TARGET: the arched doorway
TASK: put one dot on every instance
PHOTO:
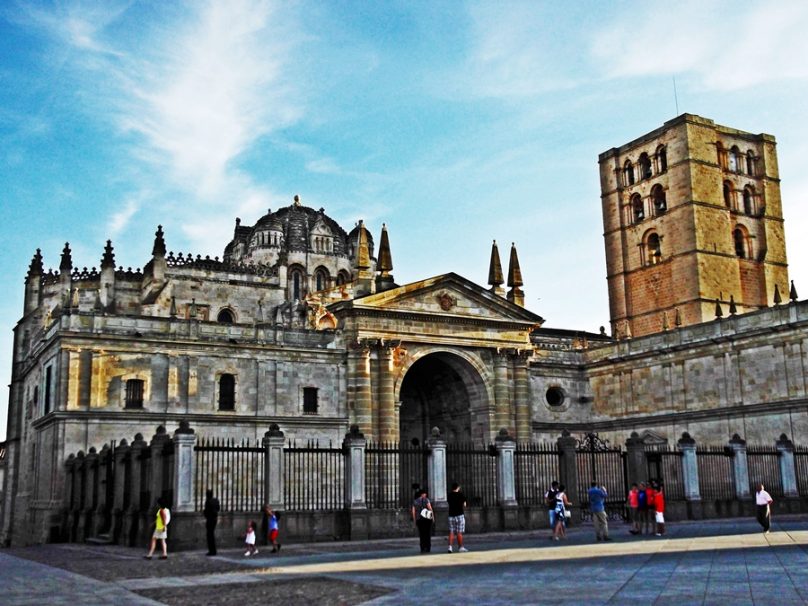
(443, 390)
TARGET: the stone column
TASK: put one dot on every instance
(506, 480)
(635, 458)
(273, 467)
(388, 419)
(102, 507)
(436, 469)
(690, 476)
(788, 471)
(568, 467)
(353, 447)
(90, 482)
(524, 430)
(184, 440)
(359, 375)
(133, 512)
(740, 467)
(157, 445)
(119, 491)
(501, 395)
(69, 497)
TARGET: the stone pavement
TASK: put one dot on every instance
(712, 562)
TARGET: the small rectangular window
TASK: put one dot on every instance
(46, 404)
(309, 400)
(227, 392)
(134, 393)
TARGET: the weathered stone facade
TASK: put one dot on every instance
(692, 216)
(302, 326)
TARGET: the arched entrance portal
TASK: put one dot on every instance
(443, 390)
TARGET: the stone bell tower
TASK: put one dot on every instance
(692, 222)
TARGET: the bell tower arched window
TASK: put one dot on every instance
(296, 284)
(662, 159)
(645, 166)
(750, 163)
(748, 200)
(658, 197)
(637, 208)
(653, 249)
(741, 243)
(734, 164)
(321, 278)
(628, 173)
(728, 194)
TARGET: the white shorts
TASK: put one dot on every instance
(660, 517)
(160, 534)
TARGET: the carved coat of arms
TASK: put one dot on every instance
(446, 301)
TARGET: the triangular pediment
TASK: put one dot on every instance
(444, 295)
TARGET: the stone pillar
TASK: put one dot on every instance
(184, 440)
(388, 419)
(637, 468)
(158, 482)
(359, 376)
(353, 447)
(133, 512)
(740, 467)
(506, 480)
(69, 497)
(273, 467)
(690, 476)
(568, 467)
(524, 430)
(788, 471)
(90, 482)
(501, 395)
(119, 494)
(436, 469)
(102, 507)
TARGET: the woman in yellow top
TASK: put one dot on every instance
(161, 522)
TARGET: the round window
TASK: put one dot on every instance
(555, 396)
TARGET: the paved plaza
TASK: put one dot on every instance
(715, 562)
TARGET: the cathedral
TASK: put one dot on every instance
(300, 323)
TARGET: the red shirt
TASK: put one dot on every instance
(633, 498)
(659, 502)
(650, 493)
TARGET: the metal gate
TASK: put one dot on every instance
(599, 462)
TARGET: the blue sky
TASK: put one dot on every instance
(454, 123)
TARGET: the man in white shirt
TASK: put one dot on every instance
(763, 500)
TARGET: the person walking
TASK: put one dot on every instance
(763, 501)
(597, 505)
(659, 504)
(249, 540)
(160, 533)
(211, 513)
(561, 514)
(550, 501)
(273, 527)
(422, 515)
(457, 517)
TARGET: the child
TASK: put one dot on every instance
(273, 517)
(249, 540)
(659, 501)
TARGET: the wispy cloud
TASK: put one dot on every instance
(728, 46)
(120, 219)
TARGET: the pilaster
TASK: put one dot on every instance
(184, 440)
(273, 467)
(788, 471)
(740, 466)
(436, 469)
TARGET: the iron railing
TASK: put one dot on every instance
(801, 469)
(233, 470)
(536, 467)
(764, 467)
(474, 467)
(716, 475)
(606, 465)
(313, 476)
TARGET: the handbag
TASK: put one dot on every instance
(426, 513)
(567, 514)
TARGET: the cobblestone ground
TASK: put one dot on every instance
(715, 562)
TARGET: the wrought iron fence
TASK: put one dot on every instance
(716, 476)
(764, 467)
(474, 467)
(392, 473)
(606, 465)
(665, 465)
(801, 469)
(536, 468)
(233, 470)
(313, 476)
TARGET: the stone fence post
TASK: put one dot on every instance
(353, 448)
(90, 487)
(119, 501)
(637, 468)
(158, 482)
(788, 471)
(506, 483)
(103, 507)
(273, 467)
(436, 469)
(132, 515)
(70, 496)
(690, 476)
(740, 467)
(568, 468)
(184, 460)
